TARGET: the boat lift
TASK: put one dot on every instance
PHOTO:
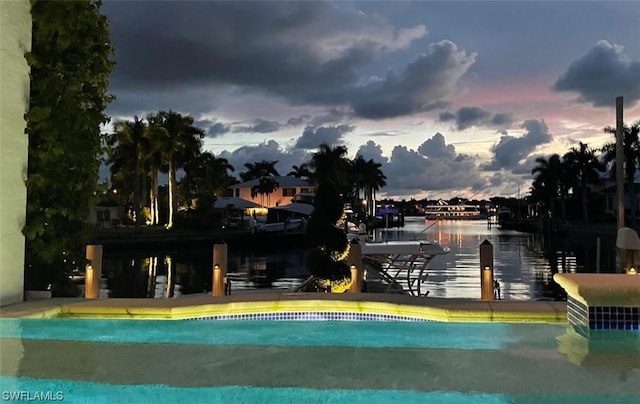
(398, 266)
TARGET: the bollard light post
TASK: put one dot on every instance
(217, 288)
(220, 252)
(354, 260)
(93, 271)
(486, 270)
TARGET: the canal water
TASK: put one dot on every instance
(524, 263)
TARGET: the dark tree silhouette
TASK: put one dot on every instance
(329, 243)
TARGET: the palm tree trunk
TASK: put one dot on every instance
(153, 197)
(563, 203)
(585, 208)
(172, 180)
(136, 190)
(632, 195)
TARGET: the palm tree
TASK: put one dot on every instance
(266, 186)
(205, 177)
(547, 182)
(583, 165)
(125, 155)
(373, 180)
(299, 171)
(631, 153)
(182, 144)
(156, 138)
(358, 167)
(259, 169)
(331, 165)
(367, 177)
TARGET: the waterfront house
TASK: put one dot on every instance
(106, 214)
(287, 187)
(611, 200)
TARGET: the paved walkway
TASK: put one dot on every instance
(250, 303)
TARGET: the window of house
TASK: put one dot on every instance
(305, 190)
(104, 215)
(288, 191)
(237, 192)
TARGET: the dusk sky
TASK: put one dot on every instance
(453, 98)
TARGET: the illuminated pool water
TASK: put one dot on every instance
(314, 361)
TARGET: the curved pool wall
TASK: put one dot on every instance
(300, 306)
(105, 361)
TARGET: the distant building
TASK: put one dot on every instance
(287, 187)
(106, 214)
(611, 200)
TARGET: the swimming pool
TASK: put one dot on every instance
(105, 361)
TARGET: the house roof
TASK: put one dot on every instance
(223, 202)
(612, 189)
(301, 208)
(283, 182)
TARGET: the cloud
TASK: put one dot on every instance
(412, 173)
(601, 75)
(303, 52)
(270, 151)
(212, 128)
(298, 120)
(433, 168)
(259, 126)
(313, 137)
(437, 148)
(424, 85)
(218, 129)
(467, 117)
(510, 152)
(333, 115)
(372, 151)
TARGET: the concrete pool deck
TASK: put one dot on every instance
(198, 306)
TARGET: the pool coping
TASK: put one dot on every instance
(207, 306)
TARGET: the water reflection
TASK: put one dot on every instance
(524, 263)
(163, 274)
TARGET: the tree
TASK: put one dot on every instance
(205, 178)
(263, 171)
(265, 186)
(259, 169)
(125, 155)
(329, 245)
(299, 171)
(369, 177)
(547, 183)
(154, 138)
(631, 153)
(182, 143)
(330, 164)
(70, 67)
(583, 165)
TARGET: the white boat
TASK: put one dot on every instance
(286, 218)
(443, 211)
